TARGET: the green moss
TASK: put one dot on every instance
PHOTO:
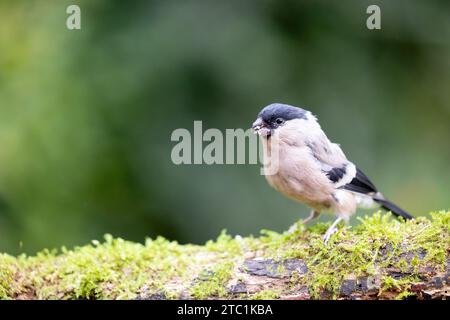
(7, 266)
(225, 245)
(398, 285)
(213, 281)
(119, 269)
(266, 295)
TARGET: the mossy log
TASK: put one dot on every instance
(379, 258)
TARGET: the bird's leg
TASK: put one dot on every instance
(332, 229)
(313, 215)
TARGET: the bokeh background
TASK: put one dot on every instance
(86, 116)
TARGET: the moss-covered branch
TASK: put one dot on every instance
(379, 258)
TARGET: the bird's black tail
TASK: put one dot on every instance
(389, 206)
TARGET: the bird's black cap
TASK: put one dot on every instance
(283, 111)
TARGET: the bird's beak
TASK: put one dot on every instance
(260, 127)
(258, 124)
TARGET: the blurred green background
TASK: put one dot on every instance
(86, 116)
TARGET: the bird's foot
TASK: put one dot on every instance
(328, 234)
(332, 229)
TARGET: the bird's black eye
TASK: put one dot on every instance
(279, 121)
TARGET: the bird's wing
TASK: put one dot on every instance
(341, 172)
(360, 184)
(345, 175)
(351, 178)
(326, 152)
(332, 161)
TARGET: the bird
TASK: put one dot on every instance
(313, 170)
